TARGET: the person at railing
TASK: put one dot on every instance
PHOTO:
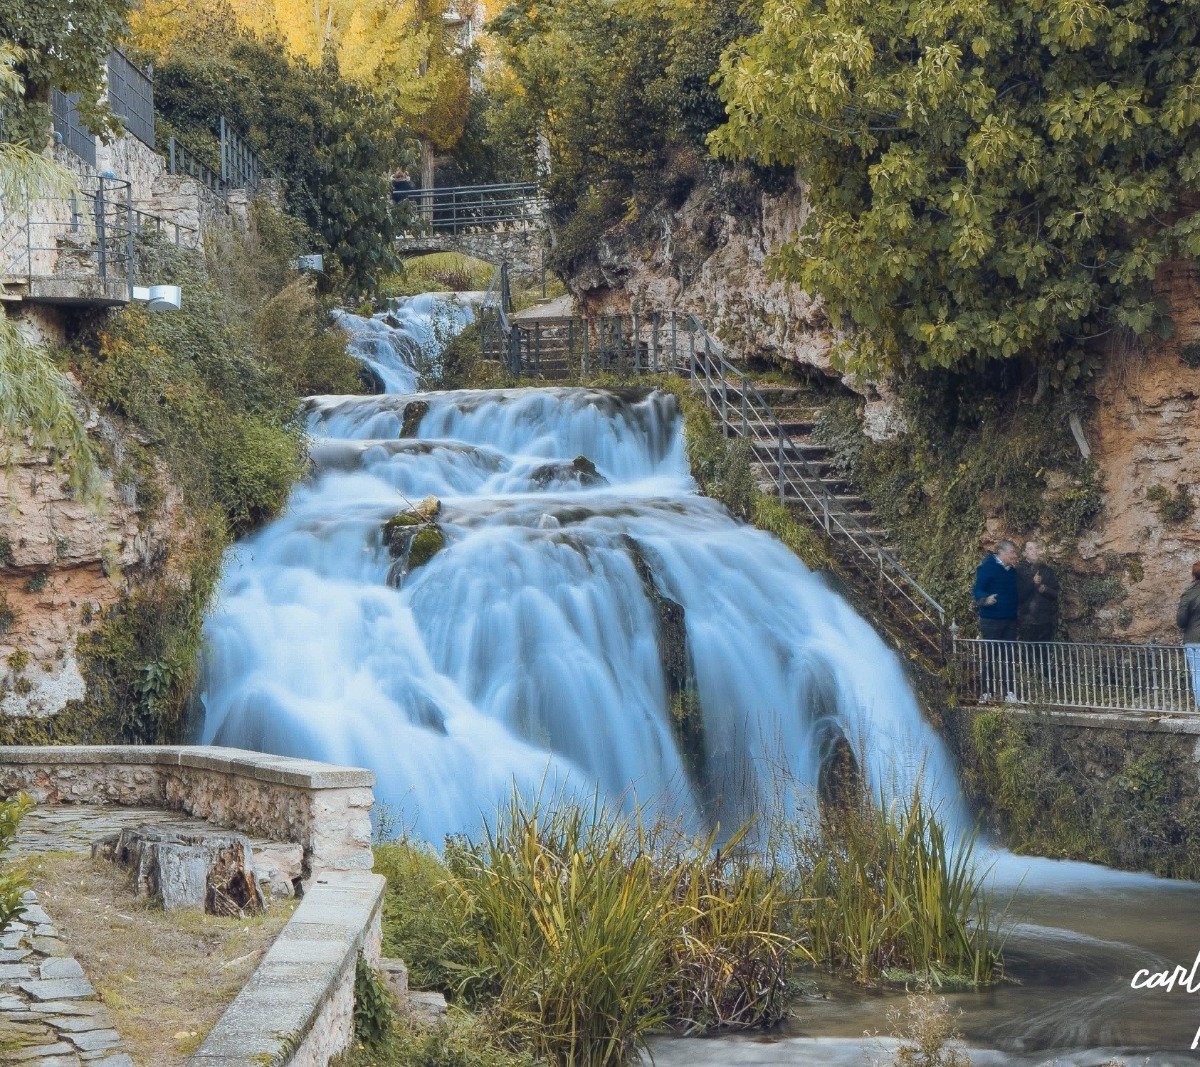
(995, 597)
(1187, 618)
(402, 185)
(1037, 596)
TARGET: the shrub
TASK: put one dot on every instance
(12, 882)
(1172, 507)
(886, 894)
(373, 1014)
(927, 1033)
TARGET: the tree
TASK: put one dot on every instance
(332, 140)
(59, 44)
(404, 49)
(988, 179)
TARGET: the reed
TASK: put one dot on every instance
(593, 930)
(886, 894)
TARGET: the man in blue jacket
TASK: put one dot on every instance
(995, 596)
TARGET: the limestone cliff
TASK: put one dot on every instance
(63, 562)
(1146, 437)
(709, 256)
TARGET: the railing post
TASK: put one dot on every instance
(637, 342)
(779, 466)
(674, 339)
(745, 409)
(692, 357)
(129, 236)
(171, 155)
(587, 330)
(101, 237)
(224, 154)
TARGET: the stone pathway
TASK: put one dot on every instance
(50, 1016)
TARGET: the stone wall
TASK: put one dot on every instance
(524, 250)
(325, 809)
(298, 1007)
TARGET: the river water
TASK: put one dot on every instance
(529, 651)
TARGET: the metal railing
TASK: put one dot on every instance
(131, 96)
(1152, 679)
(177, 234)
(181, 160)
(69, 129)
(476, 208)
(677, 342)
(73, 241)
(240, 166)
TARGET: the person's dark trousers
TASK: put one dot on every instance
(1038, 633)
(998, 630)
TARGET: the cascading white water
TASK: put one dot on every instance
(527, 650)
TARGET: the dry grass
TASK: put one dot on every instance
(166, 977)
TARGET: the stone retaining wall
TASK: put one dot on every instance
(298, 1007)
(324, 808)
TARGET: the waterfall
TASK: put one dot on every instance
(534, 647)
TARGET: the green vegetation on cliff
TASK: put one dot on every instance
(206, 402)
(1123, 798)
(987, 181)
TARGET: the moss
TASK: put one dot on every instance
(18, 661)
(1123, 798)
(427, 543)
(1189, 354)
(8, 614)
(1172, 506)
(37, 581)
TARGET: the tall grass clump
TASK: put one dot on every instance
(886, 894)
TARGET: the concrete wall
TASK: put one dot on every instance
(323, 808)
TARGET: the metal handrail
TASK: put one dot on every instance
(465, 208)
(704, 362)
(1148, 679)
(88, 233)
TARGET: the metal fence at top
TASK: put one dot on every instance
(477, 208)
(69, 129)
(1152, 679)
(240, 166)
(131, 96)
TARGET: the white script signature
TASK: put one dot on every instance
(1178, 977)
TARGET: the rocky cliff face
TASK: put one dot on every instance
(709, 257)
(63, 562)
(1146, 437)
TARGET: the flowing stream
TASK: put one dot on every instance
(592, 626)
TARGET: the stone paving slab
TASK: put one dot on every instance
(50, 1015)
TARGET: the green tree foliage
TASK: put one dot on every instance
(988, 179)
(333, 141)
(620, 90)
(63, 44)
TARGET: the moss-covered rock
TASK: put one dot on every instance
(400, 530)
(427, 543)
(414, 412)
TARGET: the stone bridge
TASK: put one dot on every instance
(495, 223)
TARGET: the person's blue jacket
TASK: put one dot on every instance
(993, 577)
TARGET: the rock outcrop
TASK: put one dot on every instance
(63, 562)
(710, 257)
(1145, 437)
